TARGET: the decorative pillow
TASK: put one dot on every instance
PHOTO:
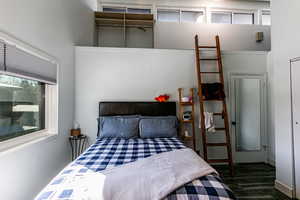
(118, 127)
(157, 127)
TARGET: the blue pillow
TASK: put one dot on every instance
(118, 127)
(158, 127)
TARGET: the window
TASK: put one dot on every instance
(127, 10)
(243, 18)
(28, 93)
(266, 18)
(22, 106)
(221, 17)
(168, 15)
(192, 16)
(114, 9)
(139, 10)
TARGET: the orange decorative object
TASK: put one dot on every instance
(162, 98)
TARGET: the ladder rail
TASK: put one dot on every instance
(193, 124)
(226, 121)
(224, 112)
(203, 131)
(220, 66)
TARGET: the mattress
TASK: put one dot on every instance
(111, 152)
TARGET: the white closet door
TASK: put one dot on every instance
(295, 75)
(248, 117)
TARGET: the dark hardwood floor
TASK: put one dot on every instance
(252, 181)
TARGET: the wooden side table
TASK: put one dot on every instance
(77, 145)
(191, 121)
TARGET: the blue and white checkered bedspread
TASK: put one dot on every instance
(107, 153)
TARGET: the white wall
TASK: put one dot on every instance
(172, 35)
(285, 39)
(54, 27)
(135, 37)
(118, 74)
(233, 37)
(270, 110)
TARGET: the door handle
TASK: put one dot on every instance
(233, 123)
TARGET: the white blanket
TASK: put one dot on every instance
(151, 178)
(154, 177)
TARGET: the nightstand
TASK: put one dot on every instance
(77, 145)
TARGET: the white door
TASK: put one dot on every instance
(295, 84)
(248, 118)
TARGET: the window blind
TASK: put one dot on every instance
(19, 62)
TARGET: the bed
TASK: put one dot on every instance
(108, 153)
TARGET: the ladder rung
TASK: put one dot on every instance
(207, 47)
(212, 99)
(209, 58)
(188, 138)
(217, 160)
(210, 72)
(220, 129)
(186, 103)
(187, 121)
(218, 113)
(216, 144)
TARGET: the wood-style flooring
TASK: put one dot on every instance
(252, 181)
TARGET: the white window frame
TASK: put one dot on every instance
(261, 14)
(167, 9)
(137, 6)
(207, 11)
(249, 13)
(193, 10)
(233, 11)
(115, 7)
(222, 12)
(51, 102)
(181, 9)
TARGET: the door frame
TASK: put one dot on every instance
(264, 129)
(294, 181)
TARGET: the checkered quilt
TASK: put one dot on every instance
(110, 152)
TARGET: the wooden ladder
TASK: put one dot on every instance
(202, 100)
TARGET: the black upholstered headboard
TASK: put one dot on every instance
(137, 108)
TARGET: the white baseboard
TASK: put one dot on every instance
(287, 190)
